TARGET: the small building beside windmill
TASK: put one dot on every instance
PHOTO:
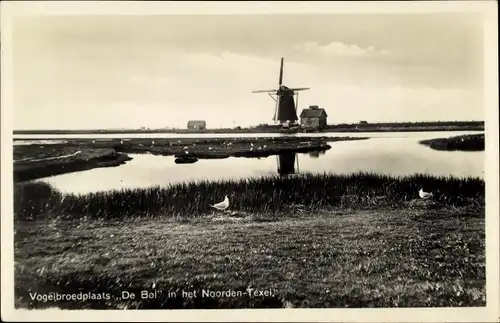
(197, 125)
(313, 117)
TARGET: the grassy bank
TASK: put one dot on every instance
(39, 161)
(384, 258)
(265, 195)
(463, 143)
(360, 240)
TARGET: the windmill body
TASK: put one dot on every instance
(286, 104)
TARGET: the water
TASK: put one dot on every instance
(386, 153)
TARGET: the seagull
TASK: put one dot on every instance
(222, 206)
(424, 195)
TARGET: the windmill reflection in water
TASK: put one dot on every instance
(288, 162)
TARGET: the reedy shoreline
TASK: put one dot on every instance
(263, 195)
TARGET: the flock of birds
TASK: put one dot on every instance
(224, 205)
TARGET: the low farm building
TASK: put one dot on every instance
(197, 125)
(313, 117)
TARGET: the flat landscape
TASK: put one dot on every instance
(303, 240)
(161, 164)
(362, 240)
(353, 127)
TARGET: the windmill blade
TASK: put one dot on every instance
(281, 74)
(264, 91)
(275, 118)
(300, 89)
(272, 97)
(297, 102)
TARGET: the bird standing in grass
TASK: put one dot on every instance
(222, 206)
(424, 195)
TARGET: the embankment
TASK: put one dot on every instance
(53, 162)
(462, 143)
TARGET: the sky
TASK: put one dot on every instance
(81, 72)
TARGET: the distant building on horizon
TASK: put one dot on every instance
(197, 125)
(313, 117)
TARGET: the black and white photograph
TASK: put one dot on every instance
(216, 160)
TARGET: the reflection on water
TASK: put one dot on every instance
(286, 163)
(390, 156)
(316, 154)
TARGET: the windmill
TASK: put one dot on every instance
(286, 106)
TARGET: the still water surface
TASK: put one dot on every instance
(384, 153)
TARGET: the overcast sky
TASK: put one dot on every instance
(73, 72)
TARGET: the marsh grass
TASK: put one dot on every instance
(323, 240)
(264, 195)
(464, 143)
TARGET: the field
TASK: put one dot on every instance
(353, 127)
(361, 240)
(35, 161)
(463, 143)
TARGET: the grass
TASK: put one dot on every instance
(464, 143)
(384, 258)
(360, 240)
(264, 195)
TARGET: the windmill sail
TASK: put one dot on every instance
(285, 109)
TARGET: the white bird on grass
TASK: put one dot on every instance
(424, 195)
(222, 206)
